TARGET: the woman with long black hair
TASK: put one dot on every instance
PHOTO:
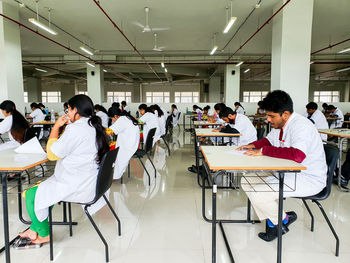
(78, 152)
(161, 118)
(125, 126)
(14, 124)
(103, 114)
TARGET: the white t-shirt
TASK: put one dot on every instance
(104, 118)
(337, 123)
(246, 128)
(240, 110)
(151, 121)
(5, 126)
(37, 115)
(320, 122)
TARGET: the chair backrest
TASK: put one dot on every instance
(149, 139)
(332, 154)
(260, 133)
(105, 174)
(178, 116)
(168, 124)
(31, 132)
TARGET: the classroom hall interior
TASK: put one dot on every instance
(189, 80)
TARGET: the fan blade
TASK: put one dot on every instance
(138, 24)
(160, 28)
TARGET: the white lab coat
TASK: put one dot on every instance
(37, 115)
(175, 117)
(126, 108)
(128, 141)
(5, 127)
(301, 134)
(161, 122)
(104, 118)
(320, 122)
(75, 175)
(337, 123)
(198, 111)
(150, 121)
(246, 128)
(240, 110)
(210, 112)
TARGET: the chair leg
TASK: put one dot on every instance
(155, 170)
(51, 235)
(149, 177)
(28, 176)
(129, 169)
(114, 213)
(330, 226)
(98, 232)
(310, 213)
(70, 219)
(167, 145)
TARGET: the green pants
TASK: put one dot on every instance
(42, 228)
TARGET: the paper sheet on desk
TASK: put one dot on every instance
(235, 152)
(31, 146)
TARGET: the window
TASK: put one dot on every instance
(187, 97)
(118, 96)
(253, 96)
(326, 96)
(157, 97)
(25, 97)
(51, 96)
(83, 92)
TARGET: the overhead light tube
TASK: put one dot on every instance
(239, 63)
(343, 69)
(87, 51)
(91, 65)
(229, 24)
(344, 50)
(247, 70)
(165, 70)
(42, 26)
(213, 50)
(162, 64)
(41, 70)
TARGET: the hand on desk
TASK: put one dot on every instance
(253, 153)
(216, 130)
(246, 147)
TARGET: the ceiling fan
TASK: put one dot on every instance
(156, 48)
(146, 28)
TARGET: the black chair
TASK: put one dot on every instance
(1, 139)
(178, 119)
(260, 133)
(104, 182)
(140, 153)
(332, 154)
(32, 132)
(167, 127)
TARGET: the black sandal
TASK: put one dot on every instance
(192, 169)
(25, 243)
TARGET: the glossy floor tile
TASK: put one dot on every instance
(163, 222)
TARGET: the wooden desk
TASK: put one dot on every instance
(217, 160)
(184, 120)
(206, 123)
(43, 123)
(342, 134)
(12, 162)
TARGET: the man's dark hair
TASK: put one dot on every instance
(324, 105)
(311, 106)
(225, 112)
(277, 101)
(331, 107)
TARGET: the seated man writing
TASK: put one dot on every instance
(295, 138)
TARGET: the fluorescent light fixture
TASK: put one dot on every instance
(91, 65)
(239, 63)
(22, 5)
(247, 70)
(213, 50)
(105, 70)
(165, 70)
(344, 50)
(162, 64)
(42, 26)
(87, 51)
(41, 70)
(229, 24)
(343, 69)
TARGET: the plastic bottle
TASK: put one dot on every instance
(47, 110)
(52, 116)
(199, 116)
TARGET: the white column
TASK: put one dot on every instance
(11, 76)
(291, 47)
(232, 84)
(347, 92)
(76, 89)
(214, 89)
(34, 89)
(95, 79)
(141, 93)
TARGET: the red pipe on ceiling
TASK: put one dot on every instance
(47, 38)
(330, 46)
(121, 32)
(257, 31)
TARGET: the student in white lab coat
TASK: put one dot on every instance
(175, 115)
(317, 118)
(125, 126)
(335, 112)
(150, 121)
(295, 138)
(14, 124)
(197, 109)
(238, 123)
(38, 116)
(65, 110)
(78, 152)
(239, 108)
(103, 114)
(161, 118)
(125, 107)
(208, 111)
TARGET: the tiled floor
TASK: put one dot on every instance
(163, 222)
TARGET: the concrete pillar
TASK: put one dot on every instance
(214, 89)
(347, 92)
(68, 91)
(11, 76)
(232, 76)
(203, 94)
(95, 83)
(76, 88)
(34, 89)
(141, 93)
(291, 47)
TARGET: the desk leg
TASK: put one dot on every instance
(280, 211)
(213, 256)
(5, 216)
(341, 141)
